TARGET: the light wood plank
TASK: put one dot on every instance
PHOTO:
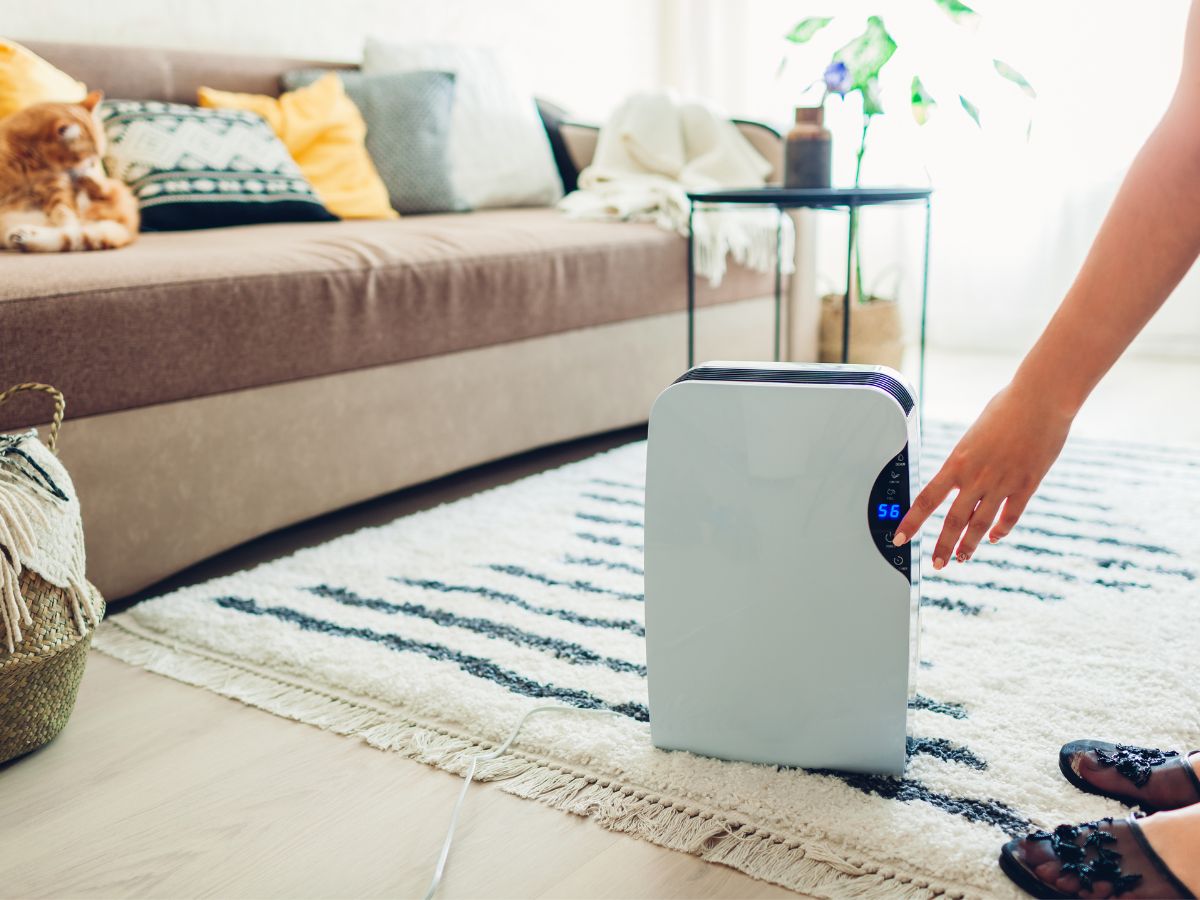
(636, 869)
(159, 789)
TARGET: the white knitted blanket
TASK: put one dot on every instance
(652, 151)
(40, 530)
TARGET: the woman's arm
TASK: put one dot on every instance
(1149, 239)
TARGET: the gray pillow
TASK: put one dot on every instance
(408, 132)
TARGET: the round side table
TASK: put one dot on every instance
(781, 199)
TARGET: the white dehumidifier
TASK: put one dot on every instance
(781, 623)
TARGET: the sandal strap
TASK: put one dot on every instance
(1156, 860)
(1191, 770)
(1136, 764)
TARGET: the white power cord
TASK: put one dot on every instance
(470, 776)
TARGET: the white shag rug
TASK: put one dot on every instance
(430, 637)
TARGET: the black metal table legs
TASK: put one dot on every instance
(852, 233)
(778, 277)
(691, 288)
(851, 239)
(924, 305)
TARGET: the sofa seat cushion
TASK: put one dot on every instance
(186, 314)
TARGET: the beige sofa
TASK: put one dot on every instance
(225, 383)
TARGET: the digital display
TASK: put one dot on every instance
(888, 511)
(886, 506)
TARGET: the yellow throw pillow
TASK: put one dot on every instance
(325, 133)
(26, 78)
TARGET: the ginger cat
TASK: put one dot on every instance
(54, 194)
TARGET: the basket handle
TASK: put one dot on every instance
(60, 406)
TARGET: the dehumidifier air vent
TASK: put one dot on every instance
(832, 374)
(781, 623)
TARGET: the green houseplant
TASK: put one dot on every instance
(855, 67)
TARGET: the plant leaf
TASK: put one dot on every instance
(872, 105)
(971, 108)
(866, 55)
(1007, 71)
(957, 10)
(922, 102)
(804, 30)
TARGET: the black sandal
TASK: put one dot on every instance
(1091, 856)
(1175, 781)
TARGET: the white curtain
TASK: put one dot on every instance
(1013, 217)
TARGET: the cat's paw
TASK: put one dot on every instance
(21, 237)
(39, 239)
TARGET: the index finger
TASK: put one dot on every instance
(923, 507)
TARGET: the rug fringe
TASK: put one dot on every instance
(812, 870)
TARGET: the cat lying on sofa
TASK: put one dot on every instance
(54, 193)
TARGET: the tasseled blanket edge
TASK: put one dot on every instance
(20, 520)
(14, 611)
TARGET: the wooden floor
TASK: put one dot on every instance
(156, 789)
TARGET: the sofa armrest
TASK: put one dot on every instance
(580, 139)
(768, 141)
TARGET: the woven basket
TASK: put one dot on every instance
(876, 331)
(40, 678)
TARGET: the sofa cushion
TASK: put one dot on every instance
(325, 133)
(408, 132)
(204, 168)
(554, 117)
(186, 314)
(173, 76)
(26, 78)
(499, 153)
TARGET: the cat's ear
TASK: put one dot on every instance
(92, 100)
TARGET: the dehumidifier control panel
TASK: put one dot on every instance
(888, 504)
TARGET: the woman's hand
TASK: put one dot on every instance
(996, 467)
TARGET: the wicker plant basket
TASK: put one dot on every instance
(876, 332)
(49, 635)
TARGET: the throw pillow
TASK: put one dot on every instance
(204, 168)
(26, 78)
(554, 117)
(408, 132)
(325, 133)
(499, 153)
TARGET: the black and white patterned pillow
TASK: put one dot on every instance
(204, 168)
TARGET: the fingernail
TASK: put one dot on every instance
(938, 562)
(900, 539)
(993, 540)
(963, 557)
